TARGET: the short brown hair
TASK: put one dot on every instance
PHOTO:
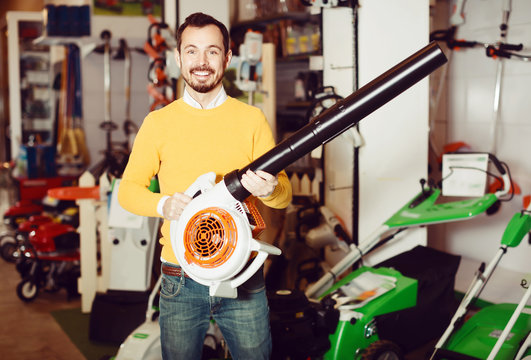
(200, 20)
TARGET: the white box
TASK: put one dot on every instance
(464, 174)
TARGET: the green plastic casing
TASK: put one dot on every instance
(479, 334)
(352, 335)
(516, 230)
(427, 212)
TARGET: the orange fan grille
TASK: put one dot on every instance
(210, 237)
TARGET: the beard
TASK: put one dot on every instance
(202, 86)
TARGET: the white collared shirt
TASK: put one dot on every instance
(217, 101)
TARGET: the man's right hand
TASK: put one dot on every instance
(174, 205)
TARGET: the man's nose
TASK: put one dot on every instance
(203, 59)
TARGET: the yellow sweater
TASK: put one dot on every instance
(180, 142)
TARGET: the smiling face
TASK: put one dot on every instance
(202, 58)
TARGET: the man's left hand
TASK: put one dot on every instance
(259, 184)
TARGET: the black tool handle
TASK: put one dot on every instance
(343, 115)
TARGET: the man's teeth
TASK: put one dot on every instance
(202, 73)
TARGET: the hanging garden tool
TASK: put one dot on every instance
(108, 126)
(500, 51)
(212, 240)
(163, 71)
(129, 127)
(506, 10)
(115, 157)
(63, 141)
(79, 133)
(448, 36)
(69, 159)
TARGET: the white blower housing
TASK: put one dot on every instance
(213, 238)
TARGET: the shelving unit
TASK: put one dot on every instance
(285, 35)
(31, 77)
(32, 72)
(299, 16)
(291, 59)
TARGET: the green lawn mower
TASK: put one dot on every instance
(498, 331)
(376, 322)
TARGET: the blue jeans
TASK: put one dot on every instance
(186, 309)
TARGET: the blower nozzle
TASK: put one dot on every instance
(343, 115)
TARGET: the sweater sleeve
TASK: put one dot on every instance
(281, 196)
(143, 165)
(264, 141)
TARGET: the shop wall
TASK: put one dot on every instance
(394, 155)
(470, 115)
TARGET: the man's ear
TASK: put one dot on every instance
(177, 57)
(228, 58)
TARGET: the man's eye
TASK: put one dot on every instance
(213, 52)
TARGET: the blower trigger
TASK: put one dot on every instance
(201, 185)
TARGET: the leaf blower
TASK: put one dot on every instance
(213, 239)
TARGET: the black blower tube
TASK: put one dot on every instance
(343, 115)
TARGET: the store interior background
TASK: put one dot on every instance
(395, 152)
(387, 34)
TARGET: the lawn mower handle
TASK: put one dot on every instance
(343, 115)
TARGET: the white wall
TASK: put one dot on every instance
(471, 82)
(339, 72)
(216, 8)
(394, 156)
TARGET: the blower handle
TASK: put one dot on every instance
(343, 115)
(263, 250)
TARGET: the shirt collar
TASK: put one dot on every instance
(218, 100)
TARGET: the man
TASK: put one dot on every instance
(203, 131)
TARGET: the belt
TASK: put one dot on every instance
(173, 271)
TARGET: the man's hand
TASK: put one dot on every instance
(174, 205)
(259, 184)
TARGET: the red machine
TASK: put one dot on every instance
(49, 260)
(20, 212)
(26, 216)
(11, 242)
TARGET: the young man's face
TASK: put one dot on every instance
(202, 58)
